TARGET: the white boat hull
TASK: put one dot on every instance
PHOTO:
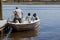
(28, 26)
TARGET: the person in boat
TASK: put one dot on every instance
(34, 17)
(18, 15)
(28, 18)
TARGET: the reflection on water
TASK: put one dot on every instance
(24, 35)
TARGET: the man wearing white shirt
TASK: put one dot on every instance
(28, 18)
(18, 15)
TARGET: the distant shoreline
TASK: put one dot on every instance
(31, 3)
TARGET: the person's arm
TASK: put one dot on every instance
(32, 18)
(22, 13)
(26, 18)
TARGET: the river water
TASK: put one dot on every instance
(49, 22)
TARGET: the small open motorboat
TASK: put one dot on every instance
(25, 25)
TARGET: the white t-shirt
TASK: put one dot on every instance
(19, 12)
(28, 18)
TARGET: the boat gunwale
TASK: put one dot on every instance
(26, 23)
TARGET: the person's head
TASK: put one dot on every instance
(16, 7)
(34, 14)
(29, 14)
